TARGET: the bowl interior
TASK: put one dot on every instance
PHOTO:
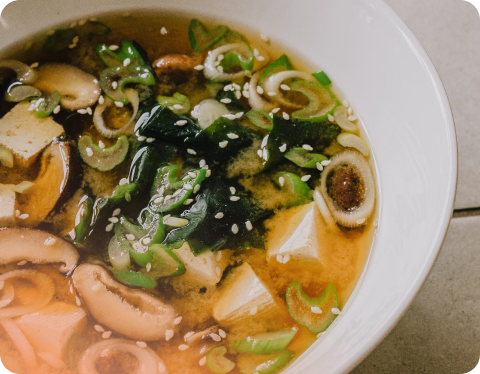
(393, 87)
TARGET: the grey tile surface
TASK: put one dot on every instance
(449, 30)
(440, 333)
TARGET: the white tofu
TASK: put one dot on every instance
(26, 135)
(7, 206)
(50, 328)
(242, 296)
(205, 269)
(301, 238)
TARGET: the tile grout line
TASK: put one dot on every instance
(469, 212)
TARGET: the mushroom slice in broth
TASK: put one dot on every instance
(133, 313)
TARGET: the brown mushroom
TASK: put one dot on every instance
(176, 68)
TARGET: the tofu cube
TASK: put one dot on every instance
(26, 135)
(295, 232)
(7, 206)
(205, 269)
(242, 296)
(50, 328)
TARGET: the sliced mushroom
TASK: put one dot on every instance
(176, 67)
(147, 361)
(53, 185)
(79, 89)
(203, 341)
(38, 247)
(133, 313)
(25, 73)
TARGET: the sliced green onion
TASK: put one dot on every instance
(131, 278)
(322, 101)
(341, 117)
(305, 159)
(83, 218)
(47, 104)
(115, 59)
(217, 362)
(236, 59)
(18, 92)
(202, 39)
(103, 159)
(264, 364)
(303, 193)
(260, 118)
(270, 342)
(176, 99)
(23, 187)
(316, 314)
(6, 157)
(280, 64)
(153, 227)
(322, 78)
(165, 263)
(138, 252)
(354, 141)
(59, 41)
(118, 255)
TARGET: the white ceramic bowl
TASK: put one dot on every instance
(389, 80)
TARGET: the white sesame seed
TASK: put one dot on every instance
(259, 153)
(130, 237)
(285, 116)
(350, 111)
(238, 95)
(50, 241)
(235, 229)
(326, 162)
(89, 111)
(286, 258)
(280, 258)
(17, 213)
(177, 106)
(248, 225)
(191, 151)
(239, 115)
(82, 111)
(119, 104)
(202, 361)
(21, 263)
(307, 147)
(177, 320)
(142, 344)
(233, 190)
(150, 140)
(223, 144)
(305, 178)
(73, 24)
(82, 22)
(196, 188)
(106, 334)
(168, 197)
(161, 191)
(215, 337)
(234, 198)
(188, 202)
(101, 100)
(316, 310)
(101, 144)
(281, 181)
(199, 67)
(144, 75)
(283, 148)
(232, 136)
(34, 65)
(123, 181)
(260, 90)
(246, 94)
(191, 174)
(113, 47)
(253, 311)
(89, 151)
(346, 103)
(114, 85)
(226, 101)
(109, 227)
(202, 163)
(116, 212)
(209, 172)
(187, 186)
(336, 311)
(146, 241)
(331, 118)
(75, 40)
(222, 333)
(218, 256)
(271, 93)
(264, 142)
(264, 37)
(50, 32)
(71, 46)
(183, 347)
(229, 116)
(148, 267)
(236, 86)
(57, 109)
(352, 118)
(181, 122)
(360, 221)
(218, 271)
(113, 219)
(99, 328)
(319, 166)
(168, 335)
(163, 31)
(265, 154)
(284, 87)
(126, 62)
(219, 215)
(24, 216)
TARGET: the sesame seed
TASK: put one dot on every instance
(215, 337)
(187, 186)
(239, 115)
(183, 347)
(182, 122)
(142, 344)
(89, 111)
(73, 24)
(286, 258)
(191, 151)
(345, 103)
(234, 198)
(145, 75)
(146, 241)
(260, 90)
(352, 118)
(264, 37)
(232, 136)
(17, 213)
(106, 334)
(191, 174)
(218, 256)
(265, 154)
(116, 212)
(57, 109)
(226, 101)
(350, 111)
(50, 32)
(130, 237)
(331, 118)
(148, 267)
(305, 178)
(119, 104)
(218, 271)
(75, 40)
(259, 153)
(50, 241)
(71, 46)
(168, 335)
(283, 148)
(89, 151)
(114, 85)
(101, 144)
(21, 263)
(235, 229)
(219, 215)
(229, 116)
(199, 67)
(113, 219)
(109, 227)
(319, 166)
(82, 22)
(248, 73)
(202, 361)
(285, 116)
(202, 163)
(188, 202)
(99, 328)
(222, 333)
(233, 190)
(360, 221)
(220, 69)
(223, 144)
(316, 310)
(284, 87)
(24, 216)
(82, 111)
(236, 86)
(126, 62)
(307, 147)
(163, 31)
(248, 225)
(150, 140)
(161, 190)
(280, 258)
(281, 181)
(34, 65)
(326, 162)
(177, 106)
(168, 197)
(264, 141)
(246, 94)
(261, 58)
(336, 311)
(196, 188)
(209, 172)
(177, 320)
(142, 138)
(228, 87)
(253, 311)
(238, 95)
(77, 301)
(123, 181)
(113, 47)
